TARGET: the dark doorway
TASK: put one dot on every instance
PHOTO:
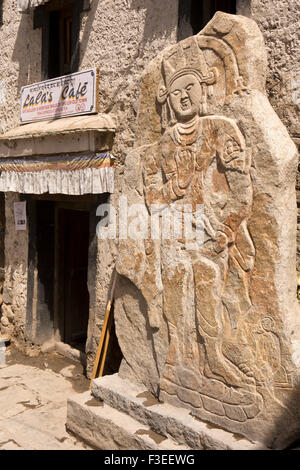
(73, 247)
(62, 239)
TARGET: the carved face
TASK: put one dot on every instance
(185, 97)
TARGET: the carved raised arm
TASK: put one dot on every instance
(231, 147)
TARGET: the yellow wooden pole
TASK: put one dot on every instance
(106, 343)
(104, 330)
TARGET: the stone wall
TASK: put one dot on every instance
(2, 237)
(279, 23)
(20, 64)
(120, 38)
(16, 267)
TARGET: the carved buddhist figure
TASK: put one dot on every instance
(210, 323)
(202, 161)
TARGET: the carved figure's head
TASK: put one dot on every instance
(185, 97)
(187, 83)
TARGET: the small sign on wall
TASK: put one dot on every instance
(20, 215)
(70, 95)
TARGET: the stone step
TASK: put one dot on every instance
(106, 428)
(164, 419)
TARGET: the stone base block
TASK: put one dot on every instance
(123, 415)
(106, 428)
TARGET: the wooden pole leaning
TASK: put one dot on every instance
(105, 335)
(105, 347)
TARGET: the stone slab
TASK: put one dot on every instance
(106, 428)
(212, 325)
(164, 419)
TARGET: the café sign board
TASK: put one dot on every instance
(70, 95)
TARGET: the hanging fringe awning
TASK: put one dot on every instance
(62, 156)
(59, 174)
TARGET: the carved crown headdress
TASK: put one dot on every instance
(186, 59)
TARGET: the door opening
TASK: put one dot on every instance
(73, 296)
(62, 251)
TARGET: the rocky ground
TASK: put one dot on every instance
(33, 401)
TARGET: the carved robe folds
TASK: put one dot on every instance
(213, 325)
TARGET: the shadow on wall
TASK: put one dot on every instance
(28, 43)
(138, 340)
(27, 52)
(155, 12)
(88, 27)
(154, 27)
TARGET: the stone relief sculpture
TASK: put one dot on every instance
(196, 162)
(210, 319)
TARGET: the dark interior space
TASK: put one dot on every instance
(114, 353)
(60, 43)
(57, 272)
(73, 240)
(195, 14)
(203, 11)
(60, 24)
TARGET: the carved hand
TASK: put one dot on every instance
(185, 167)
(232, 156)
(222, 241)
(231, 150)
(227, 231)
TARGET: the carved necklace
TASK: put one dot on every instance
(186, 134)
